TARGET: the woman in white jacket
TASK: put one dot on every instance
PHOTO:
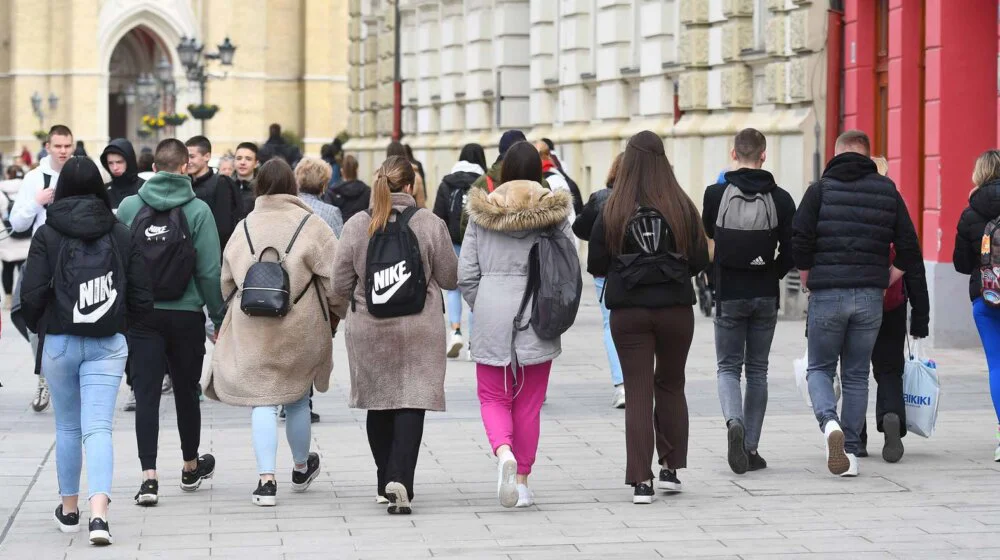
(13, 252)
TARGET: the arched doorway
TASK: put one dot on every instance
(141, 83)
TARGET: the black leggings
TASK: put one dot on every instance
(8, 275)
(394, 436)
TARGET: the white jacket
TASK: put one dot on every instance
(11, 250)
(26, 212)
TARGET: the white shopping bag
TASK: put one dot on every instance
(801, 366)
(921, 393)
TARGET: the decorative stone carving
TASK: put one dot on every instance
(798, 30)
(694, 46)
(737, 35)
(737, 87)
(797, 79)
(694, 11)
(776, 90)
(693, 90)
(737, 8)
(775, 41)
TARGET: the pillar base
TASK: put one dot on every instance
(951, 312)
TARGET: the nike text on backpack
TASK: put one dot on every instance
(395, 284)
(265, 291)
(745, 232)
(456, 205)
(554, 287)
(649, 258)
(89, 285)
(164, 239)
(989, 264)
(28, 233)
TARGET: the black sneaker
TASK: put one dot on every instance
(68, 522)
(190, 481)
(302, 480)
(313, 417)
(266, 494)
(100, 532)
(643, 494)
(148, 493)
(399, 499)
(757, 462)
(668, 481)
(281, 413)
(892, 452)
(737, 454)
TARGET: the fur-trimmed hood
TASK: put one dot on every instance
(518, 206)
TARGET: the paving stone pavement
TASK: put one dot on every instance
(940, 501)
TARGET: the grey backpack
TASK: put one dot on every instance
(746, 234)
(555, 284)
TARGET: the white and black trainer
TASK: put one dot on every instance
(191, 480)
(643, 494)
(68, 522)
(302, 480)
(399, 499)
(266, 494)
(668, 481)
(148, 494)
(100, 532)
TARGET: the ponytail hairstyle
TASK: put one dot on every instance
(395, 175)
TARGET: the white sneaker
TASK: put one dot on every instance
(507, 479)
(618, 401)
(836, 458)
(852, 469)
(525, 497)
(381, 500)
(456, 344)
(41, 400)
(996, 454)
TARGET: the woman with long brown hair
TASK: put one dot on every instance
(648, 243)
(397, 358)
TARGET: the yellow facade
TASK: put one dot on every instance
(290, 67)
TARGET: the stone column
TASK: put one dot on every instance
(452, 88)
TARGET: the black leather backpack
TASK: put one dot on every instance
(265, 291)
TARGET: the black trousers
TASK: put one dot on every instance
(8, 275)
(395, 436)
(174, 339)
(887, 365)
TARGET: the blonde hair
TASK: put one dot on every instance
(987, 168)
(395, 174)
(882, 165)
(312, 175)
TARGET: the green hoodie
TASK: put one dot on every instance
(165, 191)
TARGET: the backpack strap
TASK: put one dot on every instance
(404, 217)
(246, 230)
(295, 235)
(46, 180)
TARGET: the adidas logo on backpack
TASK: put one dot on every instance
(759, 261)
(747, 225)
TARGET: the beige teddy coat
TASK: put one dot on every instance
(397, 362)
(261, 361)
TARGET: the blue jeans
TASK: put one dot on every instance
(843, 325)
(454, 298)
(609, 344)
(84, 375)
(298, 430)
(744, 329)
(988, 323)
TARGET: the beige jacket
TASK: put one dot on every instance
(397, 362)
(261, 361)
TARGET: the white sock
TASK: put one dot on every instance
(301, 469)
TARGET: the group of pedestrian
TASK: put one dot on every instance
(130, 270)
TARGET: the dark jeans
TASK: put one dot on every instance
(744, 329)
(843, 325)
(174, 339)
(8, 275)
(394, 437)
(653, 347)
(888, 360)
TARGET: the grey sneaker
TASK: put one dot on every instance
(41, 400)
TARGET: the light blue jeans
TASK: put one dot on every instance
(843, 325)
(84, 375)
(454, 298)
(609, 343)
(298, 430)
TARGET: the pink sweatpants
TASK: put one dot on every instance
(511, 412)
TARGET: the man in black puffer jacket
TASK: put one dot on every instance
(841, 240)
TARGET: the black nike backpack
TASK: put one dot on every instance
(167, 248)
(395, 285)
(89, 286)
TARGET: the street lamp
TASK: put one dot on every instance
(164, 71)
(36, 107)
(190, 52)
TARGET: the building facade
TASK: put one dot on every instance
(290, 67)
(590, 73)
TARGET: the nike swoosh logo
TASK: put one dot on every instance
(379, 299)
(95, 315)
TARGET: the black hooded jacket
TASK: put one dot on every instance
(984, 206)
(846, 223)
(350, 196)
(460, 180)
(734, 283)
(223, 197)
(79, 217)
(247, 199)
(585, 219)
(129, 182)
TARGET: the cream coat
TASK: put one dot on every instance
(261, 361)
(397, 362)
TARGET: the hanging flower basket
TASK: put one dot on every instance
(144, 132)
(203, 112)
(41, 135)
(175, 119)
(155, 122)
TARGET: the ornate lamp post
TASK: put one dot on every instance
(194, 60)
(38, 110)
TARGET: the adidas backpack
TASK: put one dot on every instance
(89, 286)
(165, 241)
(746, 230)
(989, 264)
(554, 287)
(395, 285)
